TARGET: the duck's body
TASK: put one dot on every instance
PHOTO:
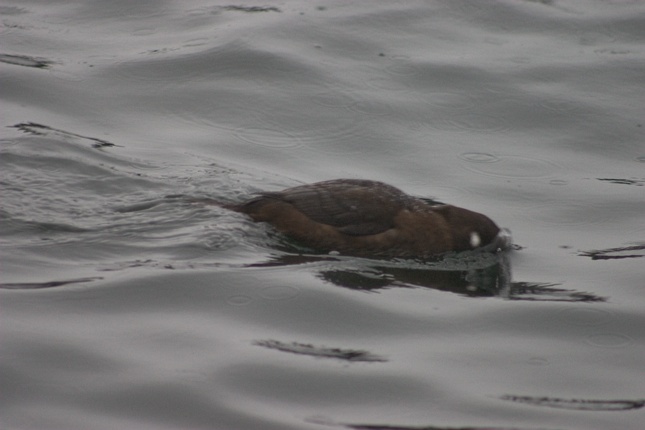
(362, 217)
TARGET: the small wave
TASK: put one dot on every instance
(577, 404)
(26, 61)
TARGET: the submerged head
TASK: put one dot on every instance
(469, 229)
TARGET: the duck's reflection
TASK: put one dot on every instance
(471, 275)
(485, 282)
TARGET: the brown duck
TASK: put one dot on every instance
(369, 218)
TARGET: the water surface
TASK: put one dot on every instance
(128, 303)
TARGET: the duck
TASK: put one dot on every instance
(369, 218)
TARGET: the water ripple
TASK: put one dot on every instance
(509, 166)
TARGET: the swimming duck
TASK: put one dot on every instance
(369, 218)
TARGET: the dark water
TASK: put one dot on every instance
(128, 303)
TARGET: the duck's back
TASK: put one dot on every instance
(353, 206)
(365, 217)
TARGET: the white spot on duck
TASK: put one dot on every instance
(475, 240)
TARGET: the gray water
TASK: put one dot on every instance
(128, 303)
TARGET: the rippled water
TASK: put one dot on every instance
(127, 302)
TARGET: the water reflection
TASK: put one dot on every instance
(470, 275)
(46, 284)
(550, 402)
(26, 61)
(486, 282)
(578, 404)
(352, 355)
(623, 181)
(44, 130)
(395, 427)
(636, 251)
